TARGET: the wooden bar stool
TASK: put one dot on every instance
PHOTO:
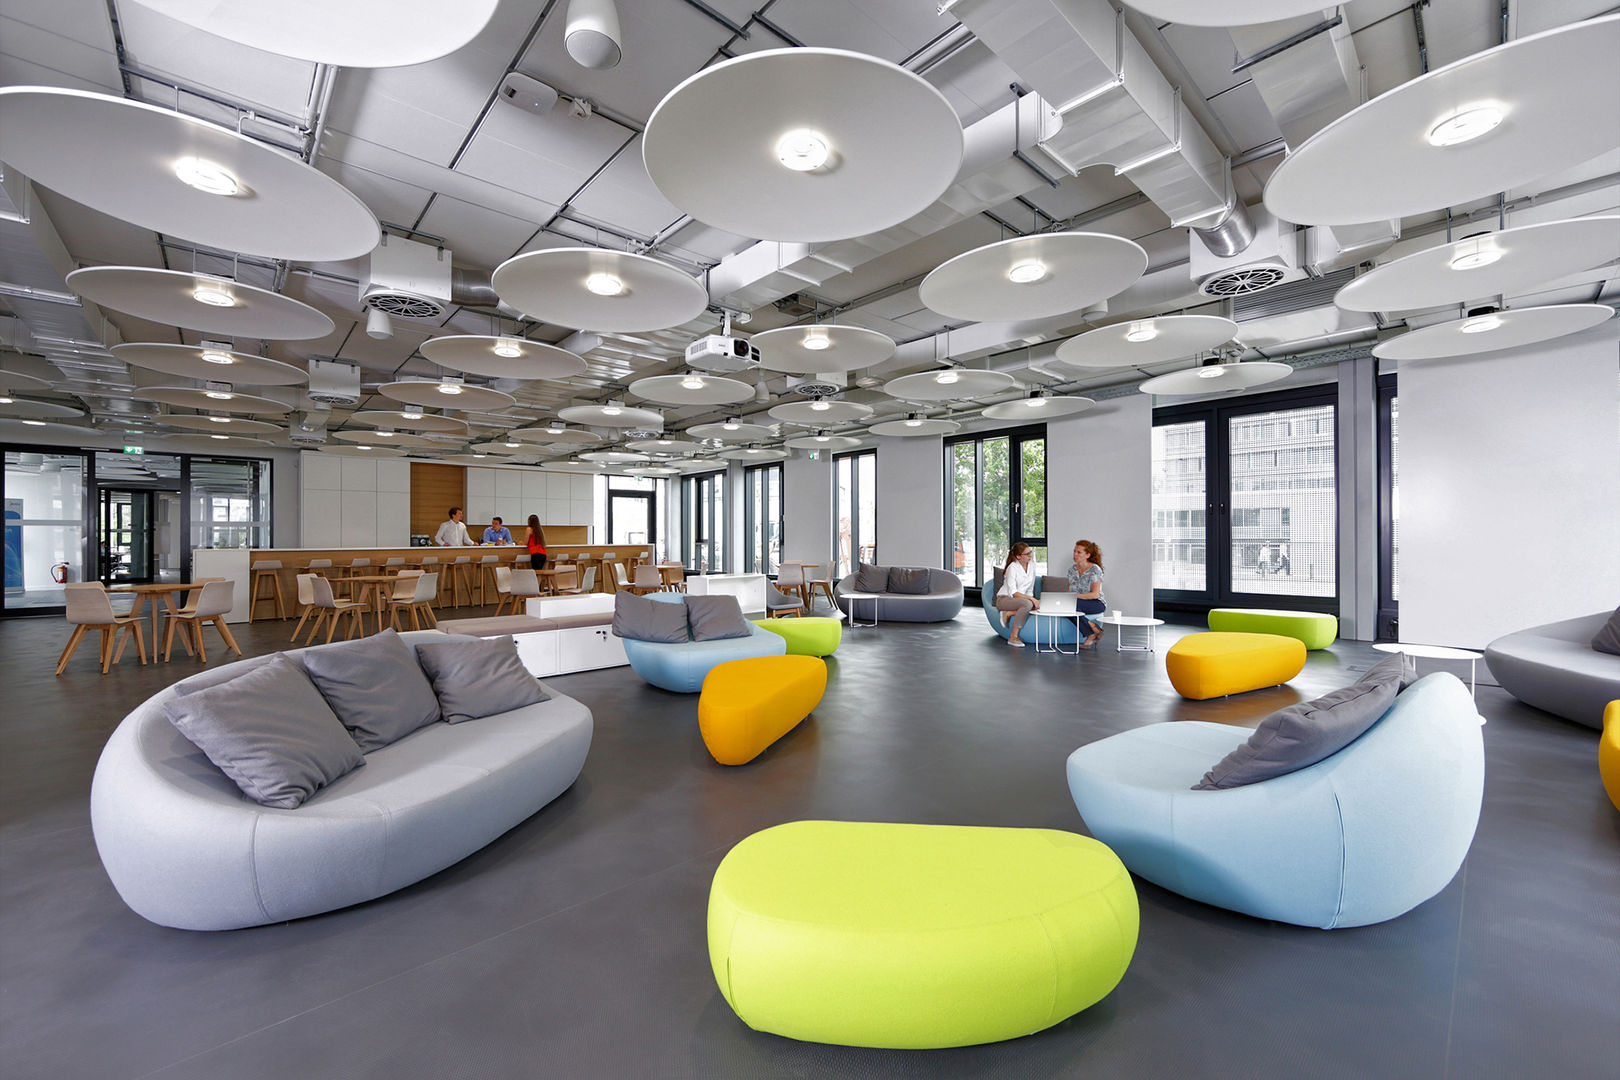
(460, 579)
(265, 570)
(90, 608)
(485, 572)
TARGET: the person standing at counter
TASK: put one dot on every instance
(453, 533)
(497, 533)
(537, 544)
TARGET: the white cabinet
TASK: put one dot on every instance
(538, 652)
(480, 482)
(585, 648)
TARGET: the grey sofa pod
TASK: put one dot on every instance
(1555, 668)
(940, 603)
(185, 848)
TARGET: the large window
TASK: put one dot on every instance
(703, 522)
(996, 497)
(632, 511)
(1389, 509)
(230, 503)
(855, 509)
(762, 518)
(45, 527)
(1245, 504)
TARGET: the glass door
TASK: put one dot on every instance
(45, 512)
(762, 518)
(630, 518)
(855, 492)
(703, 521)
(996, 496)
(126, 537)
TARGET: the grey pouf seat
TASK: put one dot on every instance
(185, 848)
(941, 603)
(1555, 668)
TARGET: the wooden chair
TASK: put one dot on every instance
(503, 587)
(648, 579)
(588, 585)
(566, 579)
(328, 607)
(419, 603)
(790, 578)
(484, 571)
(90, 608)
(779, 604)
(620, 579)
(306, 600)
(207, 605)
(460, 579)
(820, 580)
(266, 570)
(676, 580)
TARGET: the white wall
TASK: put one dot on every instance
(807, 526)
(1098, 488)
(911, 502)
(1509, 489)
(353, 501)
(513, 493)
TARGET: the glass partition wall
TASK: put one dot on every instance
(45, 512)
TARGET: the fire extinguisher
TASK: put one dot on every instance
(59, 573)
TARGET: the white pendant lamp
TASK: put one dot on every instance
(502, 357)
(821, 349)
(1139, 342)
(598, 289)
(1491, 331)
(949, 384)
(1039, 406)
(208, 361)
(204, 302)
(1217, 378)
(1033, 277)
(915, 426)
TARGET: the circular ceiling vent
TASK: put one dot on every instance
(1243, 281)
(404, 304)
(818, 389)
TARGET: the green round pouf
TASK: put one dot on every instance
(808, 635)
(917, 936)
(1316, 629)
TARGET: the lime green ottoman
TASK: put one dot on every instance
(808, 635)
(1316, 630)
(917, 936)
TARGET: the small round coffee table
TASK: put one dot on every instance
(1141, 622)
(1434, 652)
(854, 596)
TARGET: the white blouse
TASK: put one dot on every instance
(1018, 578)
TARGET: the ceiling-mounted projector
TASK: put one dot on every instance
(718, 352)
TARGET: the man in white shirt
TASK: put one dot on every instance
(453, 533)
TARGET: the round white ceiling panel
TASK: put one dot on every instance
(814, 350)
(1039, 408)
(1505, 263)
(1146, 341)
(558, 436)
(352, 34)
(671, 445)
(620, 416)
(447, 394)
(221, 425)
(692, 464)
(732, 431)
(612, 457)
(812, 144)
(650, 470)
(573, 466)
(393, 438)
(22, 408)
(753, 453)
(821, 413)
(228, 401)
(824, 442)
(181, 176)
(1489, 332)
(915, 427)
(503, 447)
(362, 450)
(400, 421)
(217, 365)
(598, 289)
(693, 388)
(502, 357)
(470, 459)
(1478, 126)
(16, 380)
(213, 305)
(949, 384)
(1225, 12)
(1033, 277)
(1232, 377)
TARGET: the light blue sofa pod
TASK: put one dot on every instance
(1360, 837)
(681, 666)
(1045, 631)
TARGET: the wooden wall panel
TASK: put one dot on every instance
(434, 490)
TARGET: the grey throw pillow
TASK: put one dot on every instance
(270, 731)
(1300, 735)
(715, 617)
(1052, 584)
(221, 675)
(907, 580)
(375, 687)
(478, 677)
(643, 619)
(872, 579)
(1608, 639)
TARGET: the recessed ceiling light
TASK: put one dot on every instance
(731, 425)
(1465, 125)
(219, 419)
(34, 423)
(604, 284)
(411, 412)
(385, 434)
(362, 447)
(1142, 331)
(1035, 402)
(663, 442)
(213, 296)
(914, 421)
(508, 348)
(218, 395)
(692, 382)
(555, 427)
(946, 377)
(4, 400)
(753, 449)
(1479, 324)
(820, 406)
(1026, 273)
(803, 150)
(206, 176)
(816, 340)
(214, 356)
(1475, 259)
(449, 388)
(611, 410)
(1213, 372)
(219, 436)
(511, 444)
(822, 438)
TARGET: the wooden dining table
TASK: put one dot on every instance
(168, 591)
(369, 592)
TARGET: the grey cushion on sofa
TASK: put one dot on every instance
(1608, 638)
(641, 618)
(375, 686)
(941, 603)
(1300, 735)
(907, 581)
(270, 731)
(714, 618)
(477, 677)
(871, 579)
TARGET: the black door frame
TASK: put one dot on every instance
(855, 537)
(1016, 438)
(762, 470)
(651, 498)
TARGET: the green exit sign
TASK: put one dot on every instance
(134, 449)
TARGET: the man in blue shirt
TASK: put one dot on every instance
(497, 533)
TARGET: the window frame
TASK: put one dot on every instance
(752, 556)
(1016, 438)
(1389, 610)
(855, 537)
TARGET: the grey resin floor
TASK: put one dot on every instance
(574, 945)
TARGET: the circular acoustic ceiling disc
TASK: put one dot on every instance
(824, 442)
(398, 421)
(22, 408)
(692, 389)
(170, 297)
(429, 395)
(739, 432)
(394, 438)
(573, 466)
(228, 425)
(1478, 126)
(191, 397)
(612, 457)
(1231, 377)
(1039, 408)
(504, 447)
(753, 453)
(652, 470)
(814, 144)
(692, 464)
(846, 348)
(671, 445)
(1497, 330)
(1503, 263)
(911, 429)
(353, 34)
(215, 442)
(1168, 337)
(475, 354)
(1223, 12)
(1033, 277)
(281, 208)
(363, 450)
(821, 413)
(596, 289)
(546, 435)
(612, 416)
(949, 384)
(16, 380)
(470, 459)
(191, 362)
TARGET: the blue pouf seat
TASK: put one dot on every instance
(1044, 631)
(681, 666)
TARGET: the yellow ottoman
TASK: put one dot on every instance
(748, 704)
(1609, 752)
(916, 936)
(1213, 665)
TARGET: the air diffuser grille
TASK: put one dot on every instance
(1243, 281)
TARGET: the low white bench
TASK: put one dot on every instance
(575, 634)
